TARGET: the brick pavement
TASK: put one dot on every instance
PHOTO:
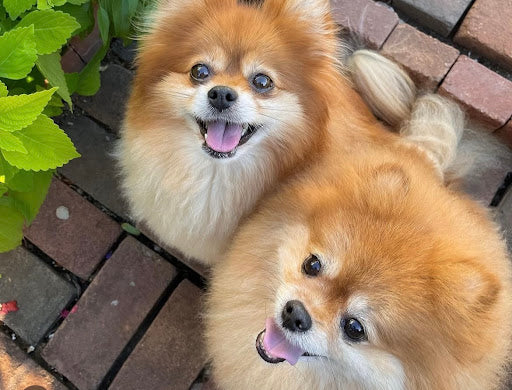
(131, 308)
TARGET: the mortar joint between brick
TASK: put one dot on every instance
(140, 332)
(502, 190)
(104, 126)
(106, 257)
(77, 53)
(447, 73)
(509, 120)
(54, 265)
(461, 20)
(389, 35)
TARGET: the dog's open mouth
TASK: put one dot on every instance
(273, 347)
(223, 138)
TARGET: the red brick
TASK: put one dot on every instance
(487, 30)
(425, 58)
(71, 61)
(170, 355)
(505, 133)
(370, 21)
(18, 371)
(486, 95)
(78, 243)
(110, 311)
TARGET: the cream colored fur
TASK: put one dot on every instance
(427, 122)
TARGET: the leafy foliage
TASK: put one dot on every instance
(33, 87)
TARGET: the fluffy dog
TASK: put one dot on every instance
(365, 272)
(230, 98)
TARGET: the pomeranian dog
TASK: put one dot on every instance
(366, 272)
(230, 98)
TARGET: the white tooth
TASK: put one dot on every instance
(205, 136)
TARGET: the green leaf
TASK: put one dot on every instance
(16, 7)
(10, 142)
(3, 90)
(28, 203)
(17, 112)
(23, 181)
(81, 14)
(47, 145)
(6, 23)
(78, 2)
(51, 28)
(11, 228)
(43, 4)
(130, 229)
(122, 13)
(89, 77)
(3, 189)
(72, 81)
(104, 24)
(54, 107)
(7, 171)
(50, 67)
(17, 53)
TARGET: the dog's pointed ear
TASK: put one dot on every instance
(476, 287)
(171, 6)
(315, 12)
(390, 185)
(311, 9)
(469, 291)
(384, 189)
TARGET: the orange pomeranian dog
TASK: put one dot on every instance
(364, 272)
(231, 97)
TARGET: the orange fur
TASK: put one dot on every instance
(431, 267)
(194, 202)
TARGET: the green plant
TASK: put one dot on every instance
(33, 87)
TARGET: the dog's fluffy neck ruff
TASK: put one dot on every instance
(191, 200)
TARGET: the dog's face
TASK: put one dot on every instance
(372, 288)
(236, 73)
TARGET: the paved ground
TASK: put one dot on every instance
(101, 307)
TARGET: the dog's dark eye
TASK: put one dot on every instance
(262, 83)
(200, 72)
(312, 266)
(353, 329)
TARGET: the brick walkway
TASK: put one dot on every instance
(102, 308)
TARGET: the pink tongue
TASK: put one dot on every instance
(223, 137)
(277, 345)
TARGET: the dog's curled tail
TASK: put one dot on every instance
(432, 122)
(384, 86)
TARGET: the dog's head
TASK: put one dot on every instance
(235, 72)
(381, 285)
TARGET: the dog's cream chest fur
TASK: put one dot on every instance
(188, 199)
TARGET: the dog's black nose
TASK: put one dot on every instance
(295, 317)
(222, 97)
